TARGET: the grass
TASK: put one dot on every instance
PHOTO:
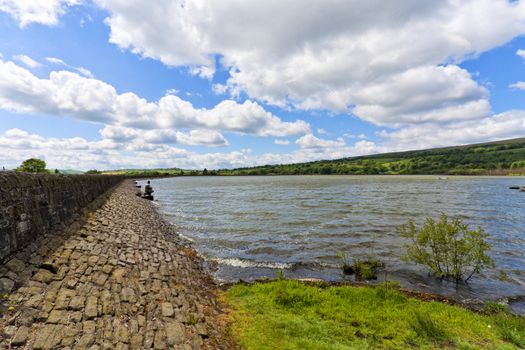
(287, 314)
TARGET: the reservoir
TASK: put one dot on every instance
(251, 227)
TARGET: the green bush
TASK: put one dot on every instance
(363, 269)
(366, 269)
(448, 247)
(33, 165)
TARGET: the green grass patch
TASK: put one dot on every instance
(287, 314)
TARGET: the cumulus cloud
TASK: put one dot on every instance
(521, 53)
(79, 153)
(520, 85)
(164, 136)
(28, 61)
(133, 152)
(501, 126)
(69, 94)
(340, 56)
(44, 12)
(310, 141)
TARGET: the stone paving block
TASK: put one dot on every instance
(20, 337)
(91, 310)
(43, 276)
(58, 316)
(174, 333)
(48, 337)
(15, 265)
(77, 302)
(166, 309)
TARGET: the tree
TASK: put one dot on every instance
(205, 171)
(33, 165)
(448, 248)
(93, 172)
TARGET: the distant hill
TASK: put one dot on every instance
(145, 172)
(70, 171)
(505, 157)
(493, 158)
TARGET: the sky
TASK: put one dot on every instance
(115, 84)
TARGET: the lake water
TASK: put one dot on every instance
(253, 226)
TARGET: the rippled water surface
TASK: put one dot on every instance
(252, 226)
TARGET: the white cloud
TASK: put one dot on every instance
(163, 136)
(506, 125)
(83, 71)
(69, 94)
(521, 53)
(281, 142)
(131, 148)
(310, 141)
(520, 85)
(219, 89)
(321, 131)
(79, 153)
(361, 57)
(28, 61)
(205, 72)
(44, 12)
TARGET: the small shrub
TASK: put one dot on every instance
(448, 247)
(366, 269)
(363, 269)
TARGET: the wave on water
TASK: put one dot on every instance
(236, 262)
(243, 263)
(186, 237)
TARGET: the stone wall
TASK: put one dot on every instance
(32, 205)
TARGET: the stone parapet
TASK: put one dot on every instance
(32, 205)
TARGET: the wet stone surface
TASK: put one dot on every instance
(121, 280)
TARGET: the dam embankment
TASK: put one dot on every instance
(33, 205)
(118, 277)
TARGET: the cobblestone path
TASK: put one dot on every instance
(122, 280)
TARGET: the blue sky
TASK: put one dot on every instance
(118, 84)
